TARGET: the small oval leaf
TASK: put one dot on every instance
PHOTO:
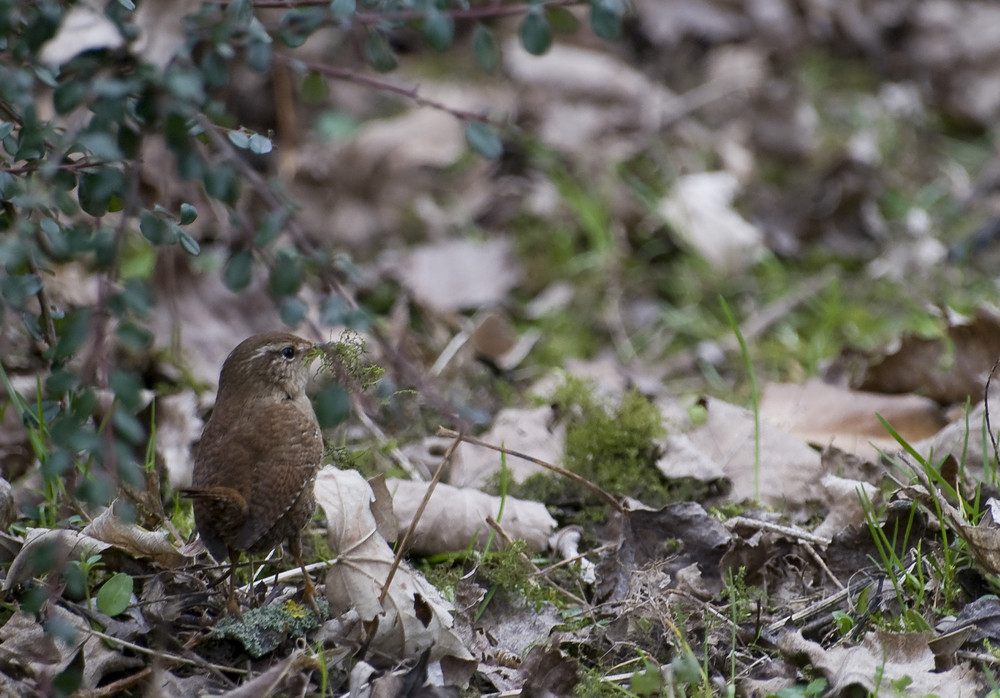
(485, 49)
(561, 20)
(606, 19)
(237, 271)
(114, 596)
(190, 245)
(379, 53)
(188, 214)
(439, 30)
(535, 34)
(342, 9)
(484, 139)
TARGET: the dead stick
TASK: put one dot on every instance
(531, 459)
(401, 550)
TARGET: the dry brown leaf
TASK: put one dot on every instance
(642, 539)
(825, 415)
(948, 370)
(55, 544)
(682, 459)
(84, 28)
(455, 517)
(844, 505)
(8, 511)
(27, 647)
(883, 658)
(789, 470)
(161, 30)
(454, 275)
(700, 212)
(133, 539)
(178, 427)
(413, 616)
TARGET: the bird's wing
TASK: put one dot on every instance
(286, 453)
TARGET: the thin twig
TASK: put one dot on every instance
(366, 18)
(986, 409)
(610, 499)
(401, 548)
(160, 653)
(411, 93)
(789, 531)
(47, 326)
(822, 564)
(575, 558)
(116, 688)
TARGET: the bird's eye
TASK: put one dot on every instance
(288, 352)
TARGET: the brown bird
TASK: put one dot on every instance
(258, 456)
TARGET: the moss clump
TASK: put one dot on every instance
(614, 446)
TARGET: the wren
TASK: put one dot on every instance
(258, 457)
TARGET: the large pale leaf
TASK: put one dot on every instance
(413, 616)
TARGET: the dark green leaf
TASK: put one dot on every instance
(114, 596)
(270, 227)
(342, 9)
(134, 337)
(129, 141)
(98, 188)
(236, 273)
(259, 55)
(286, 273)
(221, 183)
(61, 382)
(17, 288)
(240, 12)
(129, 428)
(127, 387)
(101, 145)
(335, 126)
(190, 245)
(485, 48)
(314, 88)
(69, 95)
(535, 34)
(298, 23)
(438, 29)
(188, 214)
(214, 70)
(561, 20)
(379, 53)
(8, 186)
(73, 331)
(332, 406)
(292, 311)
(155, 229)
(185, 83)
(606, 19)
(484, 139)
(333, 311)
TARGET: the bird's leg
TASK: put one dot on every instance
(232, 606)
(308, 590)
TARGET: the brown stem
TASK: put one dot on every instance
(406, 15)
(610, 499)
(401, 548)
(411, 93)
